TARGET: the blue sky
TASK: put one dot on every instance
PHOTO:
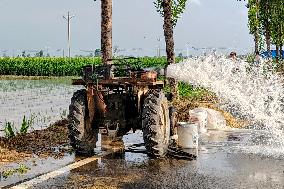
(38, 24)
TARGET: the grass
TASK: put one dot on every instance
(26, 124)
(187, 90)
(22, 169)
(10, 130)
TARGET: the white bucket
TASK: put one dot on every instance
(187, 134)
(202, 116)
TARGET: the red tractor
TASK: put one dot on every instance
(130, 99)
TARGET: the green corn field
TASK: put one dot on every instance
(46, 66)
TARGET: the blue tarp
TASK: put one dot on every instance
(273, 54)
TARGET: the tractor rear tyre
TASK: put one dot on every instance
(82, 137)
(156, 123)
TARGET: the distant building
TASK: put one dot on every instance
(273, 54)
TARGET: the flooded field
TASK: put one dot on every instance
(41, 102)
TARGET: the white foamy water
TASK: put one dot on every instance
(251, 93)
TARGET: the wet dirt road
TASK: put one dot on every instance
(218, 166)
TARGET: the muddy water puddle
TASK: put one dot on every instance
(16, 172)
(220, 164)
(13, 173)
(42, 102)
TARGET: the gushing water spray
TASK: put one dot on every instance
(253, 93)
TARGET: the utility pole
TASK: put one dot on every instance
(68, 19)
(187, 50)
(159, 46)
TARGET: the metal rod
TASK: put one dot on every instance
(68, 19)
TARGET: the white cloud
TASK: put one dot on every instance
(197, 2)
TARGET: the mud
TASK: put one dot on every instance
(50, 142)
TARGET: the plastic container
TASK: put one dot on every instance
(202, 116)
(187, 134)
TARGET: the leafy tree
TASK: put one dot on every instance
(177, 8)
(24, 54)
(98, 52)
(277, 24)
(266, 18)
(254, 21)
(171, 11)
(39, 54)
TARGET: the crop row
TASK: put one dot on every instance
(61, 66)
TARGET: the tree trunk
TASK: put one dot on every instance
(267, 38)
(168, 31)
(281, 42)
(280, 49)
(256, 42)
(277, 53)
(267, 29)
(106, 33)
(169, 38)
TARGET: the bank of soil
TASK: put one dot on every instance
(54, 142)
(183, 105)
(50, 142)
